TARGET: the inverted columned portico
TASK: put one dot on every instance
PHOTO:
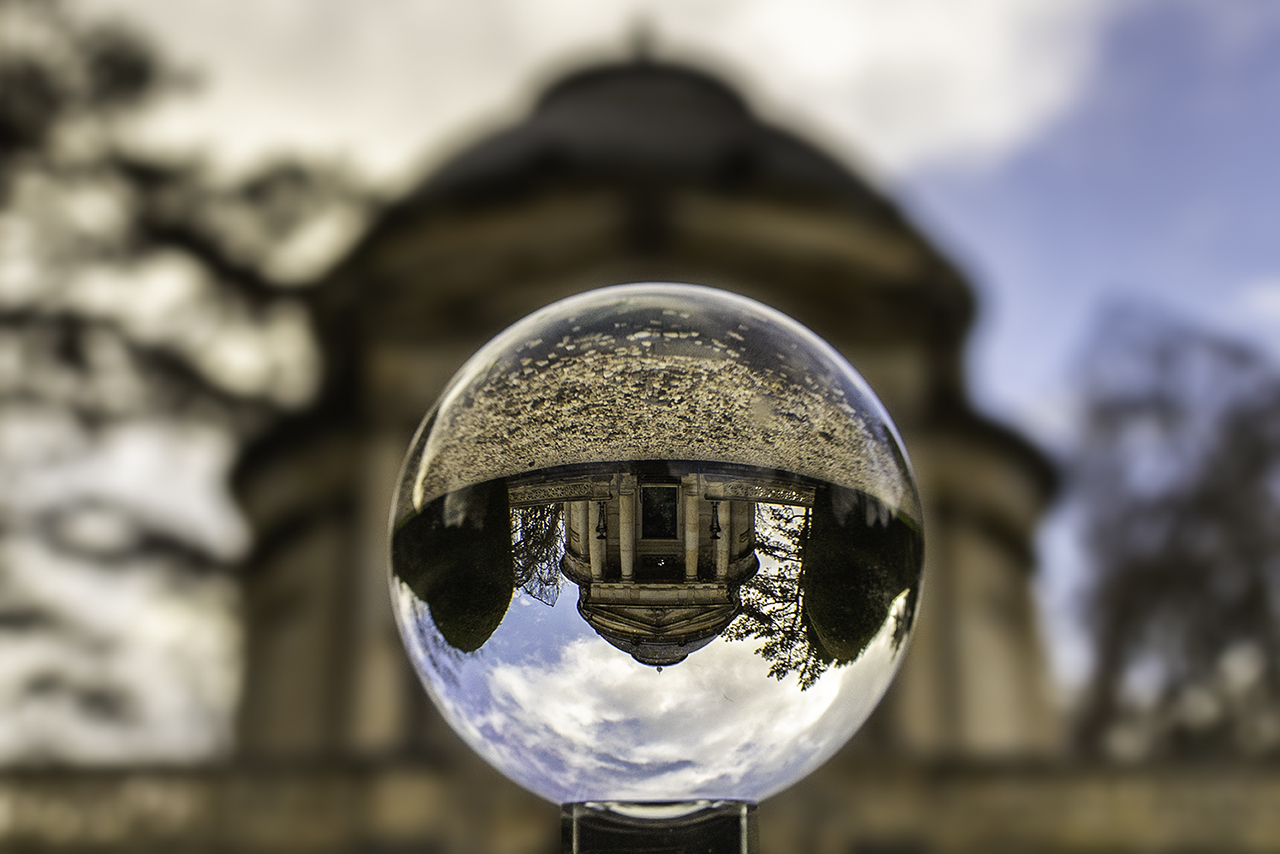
(660, 523)
(721, 534)
(596, 536)
(659, 549)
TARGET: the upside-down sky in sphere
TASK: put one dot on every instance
(1068, 154)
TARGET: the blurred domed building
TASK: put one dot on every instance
(621, 173)
(633, 172)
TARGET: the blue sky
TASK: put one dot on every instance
(1161, 183)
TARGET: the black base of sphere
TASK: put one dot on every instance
(686, 827)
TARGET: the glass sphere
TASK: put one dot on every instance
(656, 542)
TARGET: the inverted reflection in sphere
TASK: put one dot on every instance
(656, 542)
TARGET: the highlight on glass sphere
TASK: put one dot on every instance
(656, 542)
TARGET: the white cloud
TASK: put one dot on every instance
(167, 476)
(565, 714)
(921, 82)
(1260, 300)
(1250, 311)
(903, 84)
(138, 661)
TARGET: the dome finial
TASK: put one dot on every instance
(642, 40)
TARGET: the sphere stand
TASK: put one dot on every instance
(684, 827)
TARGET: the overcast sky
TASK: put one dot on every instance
(1069, 153)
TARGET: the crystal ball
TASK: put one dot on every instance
(656, 542)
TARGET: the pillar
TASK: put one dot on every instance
(742, 522)
(627, 527)
(578, 528)
(691, 527)
(722, 544)
(599, 514)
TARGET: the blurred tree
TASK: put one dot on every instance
(150, 325)
(1177, 480)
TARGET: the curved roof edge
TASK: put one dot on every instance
(650, 121)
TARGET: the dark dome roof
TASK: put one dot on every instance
(650, 635)
(642, 122)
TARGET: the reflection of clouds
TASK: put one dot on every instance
(575, 719)
(425, 644)
(707, 727)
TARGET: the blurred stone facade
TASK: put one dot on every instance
(630, 173)
(634, 173)
(637, 172)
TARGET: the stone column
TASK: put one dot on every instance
(742, 516)
(722, 544)
(691, 526)
(599, 513)
(627, 526)
(578, 515)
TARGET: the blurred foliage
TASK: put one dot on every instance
(1177, 479)
(185, 268)
(54, 70)
(152, 322)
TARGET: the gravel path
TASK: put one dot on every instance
(599, 398)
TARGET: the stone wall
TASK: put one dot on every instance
(890, 808)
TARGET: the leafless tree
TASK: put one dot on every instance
(1177, 479)
(772, 600)
(537, 545)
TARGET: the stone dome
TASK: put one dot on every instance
(646, 122)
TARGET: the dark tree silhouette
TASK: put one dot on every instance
(455, 555)
(1178, 482)
(860, 558)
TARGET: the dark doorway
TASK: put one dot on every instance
(659, 509)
